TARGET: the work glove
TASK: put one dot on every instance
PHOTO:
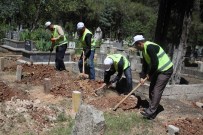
(53, 40)
(111, 83)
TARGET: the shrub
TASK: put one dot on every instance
(40, 37)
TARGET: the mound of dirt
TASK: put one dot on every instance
(103, 103)
(6, 93)
(189, 126)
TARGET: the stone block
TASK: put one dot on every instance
(29, 45)
(2, 62)
(200, 105)
(89, 121)
(200, 65)
(113, 50)
(19, 72)
(173, 130)
(47, 85)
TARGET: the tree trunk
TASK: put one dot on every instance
(163, 22)
(179, 52)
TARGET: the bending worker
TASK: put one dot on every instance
(88, 43)
(158, 68)
(59, 42)
(117, 63)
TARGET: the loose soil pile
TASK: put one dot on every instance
(189, 126)
(6, 93)
(64, 82)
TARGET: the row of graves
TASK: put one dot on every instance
(30, 54)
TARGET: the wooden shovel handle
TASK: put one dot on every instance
(83, 62)
(139, 84)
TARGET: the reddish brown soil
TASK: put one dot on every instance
(189, 126)
(110, 102)
(64, 82)
(6, 93)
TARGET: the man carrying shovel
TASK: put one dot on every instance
(59, 42)
(88, 43)
(117, 63)
(157, 67)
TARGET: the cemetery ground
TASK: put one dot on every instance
(26, 109)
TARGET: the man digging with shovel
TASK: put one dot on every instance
(117, 63)
(88, 43)
(59, 42)
(157, 67)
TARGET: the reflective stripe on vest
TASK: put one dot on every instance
(60, 41)
(116, 58)
(82, 40)
(164, 61)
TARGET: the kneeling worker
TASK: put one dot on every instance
(117, 63)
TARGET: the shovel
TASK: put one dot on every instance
(83, 75)
(128, 95)
(97, 91)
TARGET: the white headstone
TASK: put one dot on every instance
(103, 49)
(98, 34)
(71, 45)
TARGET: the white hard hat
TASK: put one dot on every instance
(80, 25)
(107, 63)
(47, 24)
(137, 38)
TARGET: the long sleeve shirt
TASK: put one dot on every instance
(60, 31)
(152, 50)
(113, 70)
(87, 48)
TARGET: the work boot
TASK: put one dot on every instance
(148, 116)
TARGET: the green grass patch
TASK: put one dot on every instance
(126, 124)
(63, 129)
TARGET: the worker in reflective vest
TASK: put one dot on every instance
(157, 67)
(59, 42)
(88, 43)
(117, 63)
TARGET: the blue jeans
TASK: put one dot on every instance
(90, 63)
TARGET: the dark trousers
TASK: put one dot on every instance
(128, 75)
(156, 88)
(90, 63)
(60, 53)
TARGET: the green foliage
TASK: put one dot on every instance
(196, 30)
(141, 19)
(40, 37)
(25, 35)
(42, 45)
(129, 16)
(4, 28)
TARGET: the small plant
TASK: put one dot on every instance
(25, 35)
(62, 117)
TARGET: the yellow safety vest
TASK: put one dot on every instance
(164, 61)
(116, 58)
(60, 41)
(82, 40)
